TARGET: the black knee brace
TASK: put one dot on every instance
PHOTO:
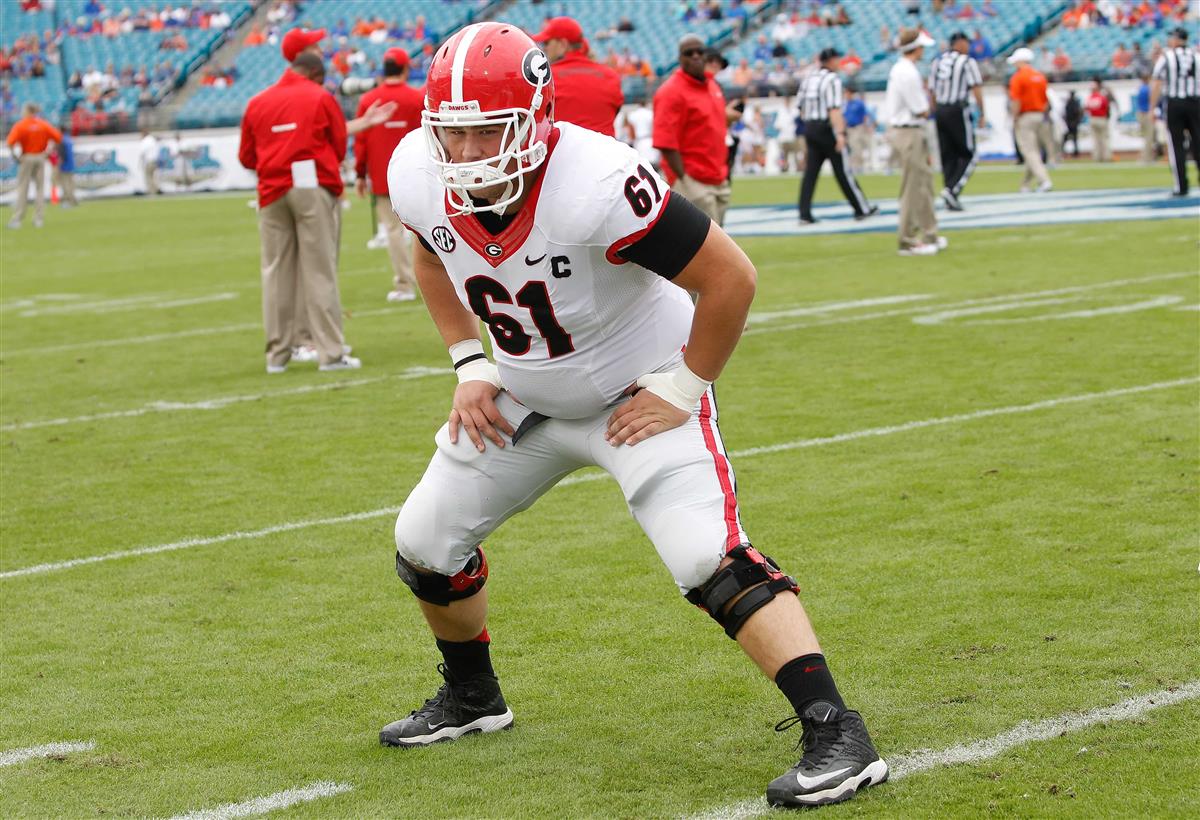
(751, 573)
(442, 589)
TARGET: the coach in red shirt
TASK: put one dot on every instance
(373, 151)
(294, 137)
(690, 121)
(586, 93)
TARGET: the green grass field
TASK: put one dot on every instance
(965, 574)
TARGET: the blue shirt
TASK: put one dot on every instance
(66, 162)
(981, 49)
(855, 112)
(1142, 99)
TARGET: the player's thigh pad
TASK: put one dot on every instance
(465, 494)
(679, 486)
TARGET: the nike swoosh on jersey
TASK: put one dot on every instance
(813, 782)
(529, 261)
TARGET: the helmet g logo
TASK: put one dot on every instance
(535, 67)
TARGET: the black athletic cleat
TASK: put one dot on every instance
(838, 760)
(952, 202)
(874, 209)
(808, 220)
(459, 708)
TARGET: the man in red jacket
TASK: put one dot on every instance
(294, 137)
(373, 150)
(586, 93)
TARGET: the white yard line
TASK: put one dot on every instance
(870, 432)
(829, 307)
(965, 303)
(15, 756)
(131, 303)
(904, 765)
(222, 401)
(272, 802)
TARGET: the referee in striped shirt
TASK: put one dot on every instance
(953, 77)
(820, 101)
(1175, 78)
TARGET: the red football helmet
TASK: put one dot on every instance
(489, 74)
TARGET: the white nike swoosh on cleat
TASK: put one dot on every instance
(813, 782)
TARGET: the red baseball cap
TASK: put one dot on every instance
(397, 55)
(299, 39)
(560, 28)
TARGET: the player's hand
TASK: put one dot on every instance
(378, 113)
(645, 415)
(361, 187)
(840, 144)
(475, 409)
(982, 122)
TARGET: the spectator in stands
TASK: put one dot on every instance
(30, 138)
(840, 17)
(885, 39)
(1062, 65)
(1138, 64)
(1100, 105)
(255, 37)
(373, 149)
(625, 25)
(1121, 61)
(173, 42)
(690, 129)
(742, 74)
(988, 9)
(762, 49)
(586, 93)
(851, 63)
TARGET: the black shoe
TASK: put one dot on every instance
(838, 760)
(951, 200)
(807, 220)
(459, 708)
(871, 212)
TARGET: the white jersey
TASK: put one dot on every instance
(572, 324)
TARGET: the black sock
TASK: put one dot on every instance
(806, 679)
(466, 659)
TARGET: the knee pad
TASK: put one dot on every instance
(751, 573)
(435, 588)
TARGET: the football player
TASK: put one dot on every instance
(577, 257)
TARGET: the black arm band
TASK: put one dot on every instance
(425, 244)
(468, 359)
(675, 238)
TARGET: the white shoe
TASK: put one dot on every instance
(14, 225)
(344, 363)
(37, 223)
(920, 250)
(275, 369)
(1045, 188)
(304, 354)
(942, 243)
(377, 242)
(1025, 188)
(401, 296)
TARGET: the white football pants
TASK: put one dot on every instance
(679, 486)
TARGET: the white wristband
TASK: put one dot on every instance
(680, 387)
(472, 364)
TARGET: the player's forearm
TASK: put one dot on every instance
(718, 323)
(454, 322)
(838, 120)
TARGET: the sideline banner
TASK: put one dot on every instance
(188, 161)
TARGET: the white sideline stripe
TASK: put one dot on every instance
(272, 802)
(133, 303)
(588, 477)
(188, 543)
(183, 334)
(15, 756)
(1132, 307)
(224, 401)
(829, 307)
(923, 760)
(985, 300)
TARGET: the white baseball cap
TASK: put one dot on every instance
(922, 40)
(1021, 55)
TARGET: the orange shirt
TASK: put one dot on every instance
(34, 134)
(1028, 88)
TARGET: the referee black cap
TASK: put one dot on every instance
(959, 35)
(1181, 33)
(712, 55)
(828, 54)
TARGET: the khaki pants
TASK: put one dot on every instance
(1029, 140)
(1101, 151)
(712, 199)
(917, 225)
(65, 182)
(299, 234)
(150, 171)
(32, 169)
(861, 139)
(791, 154)
(1146, 129)
(399, 246)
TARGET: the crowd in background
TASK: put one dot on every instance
(1125, 13)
